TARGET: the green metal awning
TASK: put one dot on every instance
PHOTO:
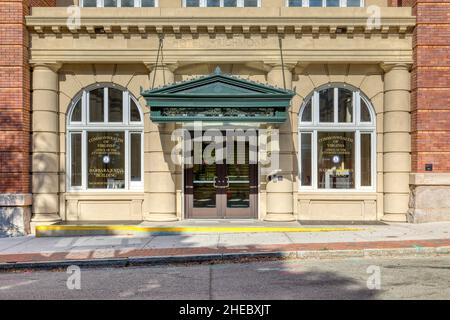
(218, 98)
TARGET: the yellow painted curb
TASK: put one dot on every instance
(187, 229)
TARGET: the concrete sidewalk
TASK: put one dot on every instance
(367, 240)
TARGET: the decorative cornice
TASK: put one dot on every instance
(296, 22)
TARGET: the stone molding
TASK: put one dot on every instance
(429, 179)
(316, 21)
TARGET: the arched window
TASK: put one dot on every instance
(337, 140)
(105, 140)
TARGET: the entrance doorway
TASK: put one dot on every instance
(222, 190)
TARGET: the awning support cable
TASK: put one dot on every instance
(160, 50)
(282, 60)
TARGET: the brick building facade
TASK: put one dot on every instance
(15, 114)
(430, 111)
(429, 108)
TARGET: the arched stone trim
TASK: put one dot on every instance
(344, 86)
(366, 78)
(93, 86)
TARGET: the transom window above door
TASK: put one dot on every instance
(118, 3)
(325, 3)
(337, 140)
(105, 140)
(222, 3)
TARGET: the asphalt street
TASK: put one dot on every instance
(384, 278)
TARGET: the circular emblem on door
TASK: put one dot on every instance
(336, 159)
(106, 159)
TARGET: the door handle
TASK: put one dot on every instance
(227, 182)
(219, 183)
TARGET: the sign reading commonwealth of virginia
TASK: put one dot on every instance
(336, 145)
(106, 161)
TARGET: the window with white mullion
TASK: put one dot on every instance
(314, 159)
(105, 104)
(126, 106)
(306, 163)
(222, 3)
(357, 109)
(118, 3)
(84, 108)
(84, 159)
(335, 105)
(357, 159)
(99, 152)
(342, 149)
(324, 3)
(136, 167)
(127, 159)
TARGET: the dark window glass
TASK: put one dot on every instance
(148, 3)
(204, 193)
(106, 160)
(306, 176)
(365, 113)
(366, 163)
(76, 113)
(307, 112)
(295, 3)
(326, 105)
(315, 3)
(127, 3)
(192, 3)
(353, 3)
(213, 3)
(229, 3)
(134, 111)
(96, 105)
(250, 3)
(332, 3)
(345, 105)
(336, 160)
(110, 3)
(115, 110)
(135, 156)
(238, 171)
(89, 3)
(75, 155)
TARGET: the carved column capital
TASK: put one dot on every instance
(53, 66)
(388, 66)
(271, 66)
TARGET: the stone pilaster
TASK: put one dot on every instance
(396, 141)
(279, 193)
(160, 176)
(45, 144)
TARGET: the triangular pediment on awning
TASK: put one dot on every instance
(218, 97)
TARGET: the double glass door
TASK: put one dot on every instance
(222, 190)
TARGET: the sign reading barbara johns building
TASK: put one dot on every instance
(106, 160)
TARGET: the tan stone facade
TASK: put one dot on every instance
(320, 46)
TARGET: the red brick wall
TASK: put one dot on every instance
(431, 86)
(15, 95)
